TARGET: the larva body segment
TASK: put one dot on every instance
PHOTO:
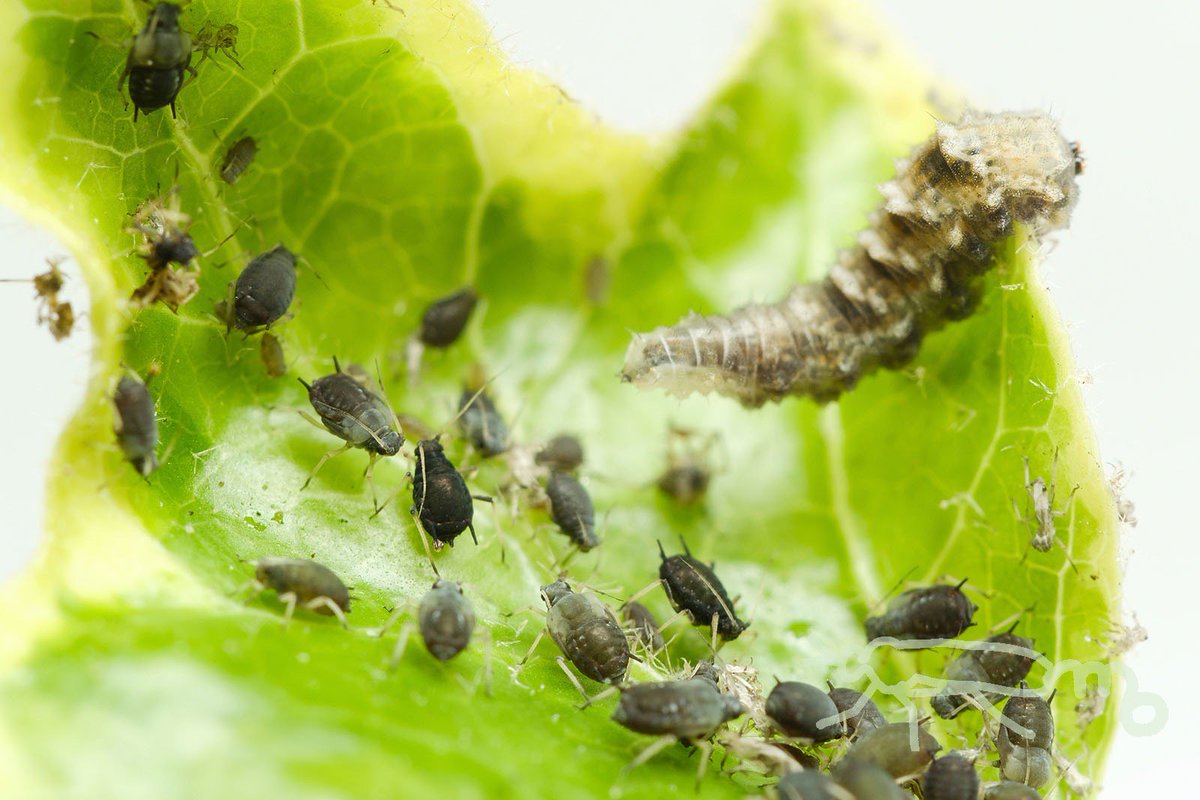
(917, 266)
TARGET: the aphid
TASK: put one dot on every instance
(563, 453)
(441, 499)
(586, 632)
(481, 423)
(809, 785)
(58, 314)
(951, 777)
(696, 592)
(597, 276)
(932, 612)
(803, 711)
(303, 583)
(158, 58)
(687, 475)
(1117, 483)
(444, 320)
(164, 228)
(859, 714)
(237, 158)
(1044, 513)
(222, 39)
(356, 416)
(644, 625)
(866, 779)
(271, 351)
(689, 711)
(1025, 740)
(136, 427)
(447, 620)
(572, 511)
(892, 748)
(262, 293)
(919, 266)
(1011, 790)
(1001, 660)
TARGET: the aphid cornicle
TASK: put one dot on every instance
(563, 453)
(586, 632)
(644, 625)
(445, 318)
(931, 612)
(572, 511)
(694, 589)
(237, 158)
(303, 583)
(859, 713)
(951, 777)
(1001, 660)
(160, 55)
(441, 499)
(890, 748)
(481, 423)
(447, 620)
(136, 427)
(263, 291)
(803, 711)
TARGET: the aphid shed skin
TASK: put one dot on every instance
(689, 710)
(587, 633)
(264, 291)
(798, 709)
(444, 320)
(136, 427)
(158, 58)
(861, 713)
(1011, 790)
(951, 777)
(563, 453)
(932, 612)
(482, 424)
(441, 499)
(694, 588)
(645, 626)
(237, 158)
(447, 620)
(273, 359)
(222, 39)
(58, 315)
(890, 747)
(984, 667)
(809, 785)
(866, 779)
(304, 583)
(572, 511)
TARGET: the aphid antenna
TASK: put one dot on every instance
(304, 260)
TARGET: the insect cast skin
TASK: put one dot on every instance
(918, 266)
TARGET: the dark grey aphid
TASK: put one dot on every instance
(861, 714)
(587, 633)
(694, 588)
(807, 785)
(890, 747)
(444, 320)
(572, 511)
(136, 427)
(1011, 790)
(353, 413)
(482, 424)
(951, 777)
(273, 359)
(1025, 753)
(685, 483)
(866, 780)
(237, 158)
(447, 620)
(803, 711)
(689, 710)
(644, 625)
(304, 583)
(985, 666)
(441, 499)
(264, 291)
(932, 612)
(563, 453)
(158, 58)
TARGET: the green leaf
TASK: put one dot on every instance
(403, 158)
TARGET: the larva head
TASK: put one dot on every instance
(1020, 161)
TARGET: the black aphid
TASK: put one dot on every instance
(1025, 740)
(951, 777)
(481, 423)
(806, 785)
(563, 453)
(302, 583)
(1001, 660)
(866, 779)
(441, 499)
(572, 511)
(273, 359)
(237, 158)
(586, 632)
(859, 713)
(803, 711)
(1011, 790)
(688, 474)
(158, 58)
(890, 747)
(932, 612)
(644, 625)
(694, 589)
(263, 291)
(136, 427)
(444, 320)
(688, 710)
(447, 620)
(355, 415)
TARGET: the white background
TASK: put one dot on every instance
(1123, 81)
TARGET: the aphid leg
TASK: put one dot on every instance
(659, 744)
(716, 624)
(325, 602)
(256, 588)
(521, 664)
(425, 542)
(392, 619)
(639, 594)
(487, 662)
(562, 663)
(369, 474)
(401, 644)
(672, 618)
(705, 749)
(596, 698)
(335, 452)
(290, 599)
